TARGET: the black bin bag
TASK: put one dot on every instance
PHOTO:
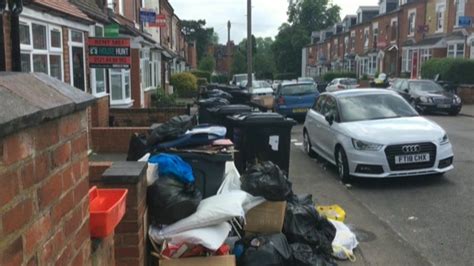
(170, 130)
(268, 181)
(137, 147)
(169, 200)
(303, 255)
(269, 250)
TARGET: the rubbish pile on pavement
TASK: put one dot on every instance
(219, 193)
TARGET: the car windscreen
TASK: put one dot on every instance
(261, 84)
(298, 89)
(373, 107)
(348, 81)
(425, 86)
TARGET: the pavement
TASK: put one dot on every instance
(403, 221)
(468, 110)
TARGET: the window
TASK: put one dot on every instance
(456, 50)
(353, 39)
(120, 86)
(440, 10)
(425, 55)
(366, 38)
(394, 30)
(411, 22)
(472, 49)
(77, 60)
(460, 9)
(407, 58)
(98, 76)
(41, 48)
(375, 34)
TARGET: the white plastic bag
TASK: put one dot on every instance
(211, 211)
(151, 173)
(344, 243)
(211, 237)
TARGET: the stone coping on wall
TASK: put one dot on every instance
(28, 99)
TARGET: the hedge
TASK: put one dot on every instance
(202, 74)
(456, 70)
(185, 84)
(330, 76)
(221, 79)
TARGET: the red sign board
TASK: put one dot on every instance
(160, 22)
(109, 53)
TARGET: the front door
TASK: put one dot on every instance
(78, 67)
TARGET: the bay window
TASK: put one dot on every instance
(150, 69)
(456, 50)
(77, 59)
(120, 86)
(41, 48)
(98, 75)
(407, 58)
(425, 55)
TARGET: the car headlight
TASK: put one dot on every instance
(426, 99)
(366, 146)
(444, 140)
(456, 99)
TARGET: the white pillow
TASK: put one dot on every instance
(211, 211)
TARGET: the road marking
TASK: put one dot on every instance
(298, 143)
(294, 140)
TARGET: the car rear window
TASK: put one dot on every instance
(348, 81)
(298, 89)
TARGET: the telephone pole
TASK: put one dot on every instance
(249, 44)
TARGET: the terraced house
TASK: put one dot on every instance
(396, 37)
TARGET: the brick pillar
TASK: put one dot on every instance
(135, 78)
(130, 234)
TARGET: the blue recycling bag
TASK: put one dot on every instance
(173, 166)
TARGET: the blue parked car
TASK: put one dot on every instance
(293, 99)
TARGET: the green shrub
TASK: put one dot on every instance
(454, 70)
(364, 77)
(202, 74)
(201, 82)
(286, 76)
(184, 84)
(329, 76)
(207, 64)
(221, 79)
(161, 99)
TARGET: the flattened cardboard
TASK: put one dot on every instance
(228, 260)
(266, 218)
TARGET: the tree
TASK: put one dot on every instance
(304, 17)
(207, 64)
(195, 30)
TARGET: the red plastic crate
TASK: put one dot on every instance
(107, 208)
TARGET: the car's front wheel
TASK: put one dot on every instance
(342, 165)
(308, 148)
(454, 113)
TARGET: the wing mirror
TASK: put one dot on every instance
(330, 118)
(406, 90)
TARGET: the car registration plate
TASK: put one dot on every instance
(444, 106)
(300, 110)
(412, 158)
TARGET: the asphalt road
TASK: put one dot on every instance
(403, 221)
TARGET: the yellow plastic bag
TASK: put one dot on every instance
(333, 212)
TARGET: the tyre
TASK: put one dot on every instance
(308, 148)
(454, 113)
(342, 165)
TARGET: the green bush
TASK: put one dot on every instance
(207, 64)
(184, 84)
(201, 82)
(454, 70)
(161, 99)
(221, 79)
(202, 74)
(329, 76)
(286, 76)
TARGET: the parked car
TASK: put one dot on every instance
(342, 84)
(259, 88)
(294, 99)
(375, 133)
(306, 80)
(275, 84)
(238, 78)
(428, 96)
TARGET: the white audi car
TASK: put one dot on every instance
(375, 133)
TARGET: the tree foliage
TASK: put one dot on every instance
(304, 17)
(195, 30)
(263, 60)
(207, 64)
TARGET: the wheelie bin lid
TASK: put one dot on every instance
(258, 118)
(231, 109)
(213, 102)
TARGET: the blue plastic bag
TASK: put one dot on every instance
(173, 165)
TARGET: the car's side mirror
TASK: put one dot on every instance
(330, 118)
(406, 90)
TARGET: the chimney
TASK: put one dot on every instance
(228, 31)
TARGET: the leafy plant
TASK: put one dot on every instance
(207, 64)
(160, 98)
(202, 74)
(221, 79)
(454, 70)
(185, 84)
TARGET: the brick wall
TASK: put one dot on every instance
(7, 41)
(130, 240)
(148, 101)
(113, 139)
(466, 92)
(44, 213)
(143, 117)
(100, 112)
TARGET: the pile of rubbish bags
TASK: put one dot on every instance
(184, 225)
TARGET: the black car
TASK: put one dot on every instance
(428, 96)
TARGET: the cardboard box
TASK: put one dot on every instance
(228, 260)
(266, 218)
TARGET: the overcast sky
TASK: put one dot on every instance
(268, 15)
